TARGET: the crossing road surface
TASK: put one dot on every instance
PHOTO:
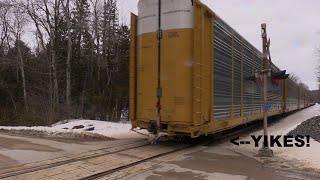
(200, 162)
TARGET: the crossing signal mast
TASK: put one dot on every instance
(264, 74)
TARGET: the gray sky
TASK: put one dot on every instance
(292, 25)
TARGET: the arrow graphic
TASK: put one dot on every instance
(234, 141)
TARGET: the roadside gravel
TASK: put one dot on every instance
(310, 127)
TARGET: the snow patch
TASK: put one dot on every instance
(102, 128)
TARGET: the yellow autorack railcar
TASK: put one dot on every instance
(187, 69)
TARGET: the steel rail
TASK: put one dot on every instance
(107, 172)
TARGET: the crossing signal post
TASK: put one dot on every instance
(265, 74)
(265, 151)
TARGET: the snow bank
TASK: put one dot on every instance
(107, 129)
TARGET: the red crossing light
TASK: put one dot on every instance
(275, 81)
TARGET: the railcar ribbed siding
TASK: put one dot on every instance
(248, 85)
(301, 98)
(252, 92)
(292, 95)
(257, 100)
(222, 71)
(237, 75)
(223, 76)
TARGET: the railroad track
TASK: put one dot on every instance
(108, 173)
(97, 165)
(56, 162)
(160, 154)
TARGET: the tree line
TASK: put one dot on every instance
(73, 63)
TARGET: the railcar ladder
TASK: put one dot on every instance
(197, 92)
(202, 66)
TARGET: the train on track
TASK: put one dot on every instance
(188, 69)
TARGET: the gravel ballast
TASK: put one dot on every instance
(310, 127)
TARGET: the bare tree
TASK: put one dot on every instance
(52, 27)
(46, 20)
(294, 78)
(4, 43)
(304, 86)
(68, 68)
(4, 24)
(17, 29)
(32, 9)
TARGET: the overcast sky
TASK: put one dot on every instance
(292, 25)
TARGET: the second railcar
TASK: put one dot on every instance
(187, 70)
